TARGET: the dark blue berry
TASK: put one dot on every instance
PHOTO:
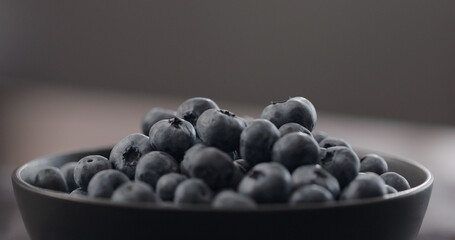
(165, 188)
(153, 165)
(267, 183)
(320, 135)
(220, 128)
(315, 174)
(390, 189)
(153, 116)
(68, 171)
(193, 191)
(78, 192)
(51, 178)
(396, 181)
(87, 167)
(312, 193)
(191, 109)
(213, 166)
(189, 154)
(293, 127)
(173, 136)
(366, 185)
(373, 163)
(126, 153)
(297, 109)
(104, 183)
(134, 192)
(295, 149)
(256, 141)
(231, 199)
(342, 163)
(334, 142)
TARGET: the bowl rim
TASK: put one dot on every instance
(17, 180)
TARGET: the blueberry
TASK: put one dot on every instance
(87, 167)
(213, 166)
(373, 163)
(173, 136)
(320, 135)
(134, 192)
(193, 191)
(342, 163)
(189, 154)
(153, 165)
(68, 171)
(242, 165)
(104, 183)
(78, 192)
(267, 183)
(295, 149)
(51, 178)
(293, 127)
(153, 116)
(396, 181)
(297, 109)
(391, 189)
(191, 109)
(315, 174)
(220, 128)
(334, 142)
(256, 141)
(231, 199)
(366, 185)
(312, 193)
(126, 153)
(165, 188)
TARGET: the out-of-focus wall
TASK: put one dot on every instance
(379, 58)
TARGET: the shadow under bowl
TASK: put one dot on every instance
(51, 215)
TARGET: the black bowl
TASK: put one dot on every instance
(52, 215)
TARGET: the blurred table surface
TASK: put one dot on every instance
(44, 120)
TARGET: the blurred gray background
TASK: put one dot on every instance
(378, 58)
(80, 74)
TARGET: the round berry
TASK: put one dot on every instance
(51, 178)
(193, 191)
(104, 183)
(192, 108)
(297, 109)
(153, 165)
(173, 136)
(257, 140)
(126, 154)
(310, 194)
(134, 192)
(153, 116)
(396, 181)
(295, 149)
(87, 167)
(373, 163)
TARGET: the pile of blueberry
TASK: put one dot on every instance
(201, 154)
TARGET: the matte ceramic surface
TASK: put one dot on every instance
(52, 215)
